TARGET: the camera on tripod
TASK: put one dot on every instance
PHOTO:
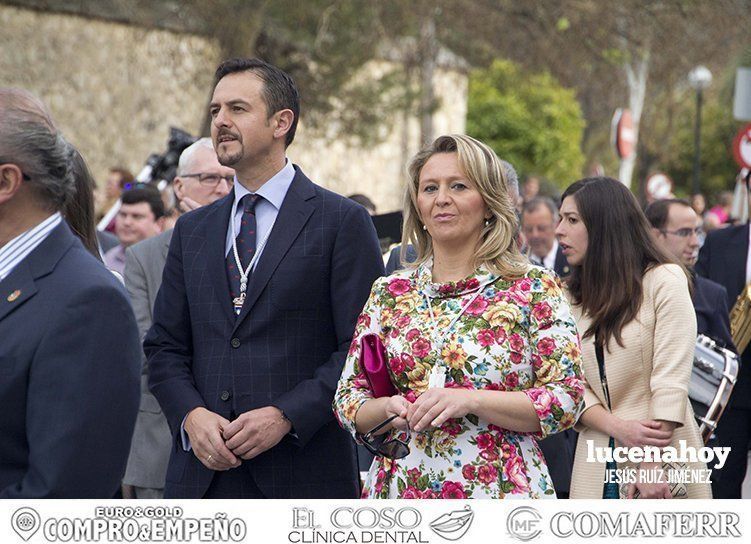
(159, 170)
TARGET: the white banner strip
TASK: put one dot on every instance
(373, 522)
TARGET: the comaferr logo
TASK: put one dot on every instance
(646, 524)
(454, 525)
(524, 523)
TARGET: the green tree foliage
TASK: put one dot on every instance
(324, 45)
(718, 128)
(530, 120)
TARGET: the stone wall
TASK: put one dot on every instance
(115, 89)
(380, 171)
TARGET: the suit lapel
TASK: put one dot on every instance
(294, 213)
(165, 247)
(16, 289)
(737, 255)
(20, 285)
(216, 239)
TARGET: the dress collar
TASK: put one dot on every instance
(479, 278)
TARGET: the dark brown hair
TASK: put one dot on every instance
(658, 211)
(620, 250)
(279, 89)
(126, 176)
(79, 212)
(143, 192)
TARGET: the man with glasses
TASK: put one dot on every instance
(200, 180)
(724, 258)
(675, 227)
(69, 352)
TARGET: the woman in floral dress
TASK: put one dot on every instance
(482, 346)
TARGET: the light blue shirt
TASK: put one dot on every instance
(267, 209)
(15, 251)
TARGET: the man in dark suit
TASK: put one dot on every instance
(200, 180)
(724, 259)
(675, 226)
(69, 350)
(259, 299)
(538, 221)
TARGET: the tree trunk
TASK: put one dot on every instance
(238, 34)
(636, 76)
(428, 54)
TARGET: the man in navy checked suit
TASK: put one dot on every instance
(248, 395)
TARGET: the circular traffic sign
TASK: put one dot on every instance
(659, 186)
(623, 134)
(742, 147)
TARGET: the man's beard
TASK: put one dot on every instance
(230, 159)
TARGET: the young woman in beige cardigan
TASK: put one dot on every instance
(634, 300)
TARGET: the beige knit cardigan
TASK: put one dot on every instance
(647, 378)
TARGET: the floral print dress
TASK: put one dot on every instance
(487, 333)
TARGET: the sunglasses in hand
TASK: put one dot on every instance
(394, 448)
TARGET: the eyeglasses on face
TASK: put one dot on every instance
(210, 180)
(394, 448)
(684, 233)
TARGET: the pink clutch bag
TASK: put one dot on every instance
(373, 361)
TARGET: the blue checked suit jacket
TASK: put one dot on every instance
(286, 348)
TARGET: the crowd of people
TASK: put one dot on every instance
(214, 343)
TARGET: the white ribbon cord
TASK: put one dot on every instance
(244, 274)
(437, 377)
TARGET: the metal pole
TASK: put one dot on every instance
(697, 144)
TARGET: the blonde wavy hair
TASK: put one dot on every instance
(497, 249)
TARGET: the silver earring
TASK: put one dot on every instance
(424, 227)
(487, 222)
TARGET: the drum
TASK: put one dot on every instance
(713, 376)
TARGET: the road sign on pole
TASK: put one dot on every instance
(622, 134)
(742, 147)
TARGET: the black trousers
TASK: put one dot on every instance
(559, 450)
(235, 483)
(734, 430)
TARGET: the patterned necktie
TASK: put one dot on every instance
(246, 248)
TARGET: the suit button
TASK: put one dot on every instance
(235, 343)
(225, 396)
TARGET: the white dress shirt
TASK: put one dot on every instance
(15, 251)
(267, 208)
(549, 260)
